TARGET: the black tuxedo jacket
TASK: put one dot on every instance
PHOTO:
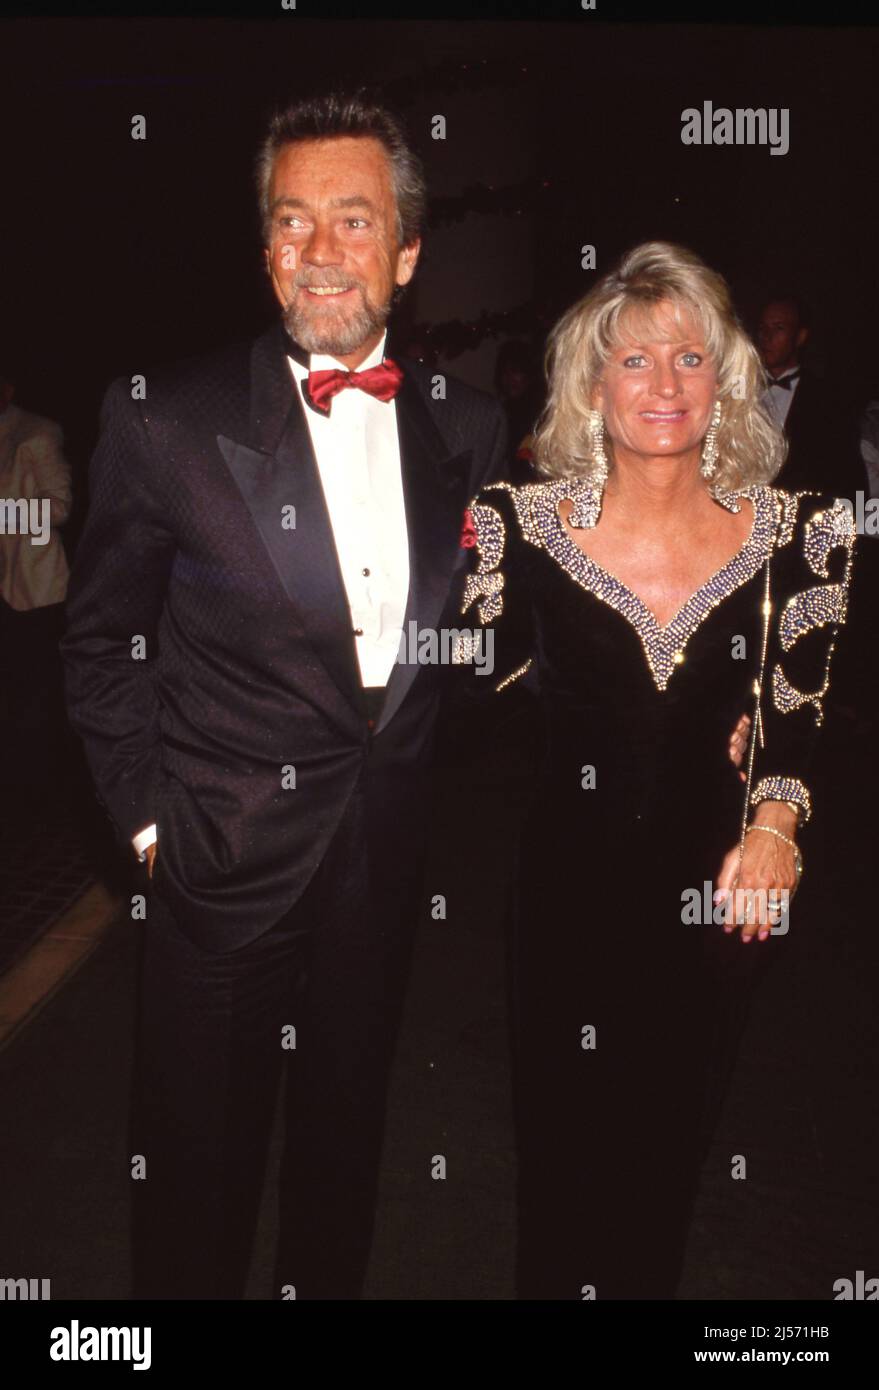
(823, 438)
(209, 654)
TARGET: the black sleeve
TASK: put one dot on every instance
(116, 594)
(495, 643)
(809, 591)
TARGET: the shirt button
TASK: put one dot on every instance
(358, 632)
(365, 571)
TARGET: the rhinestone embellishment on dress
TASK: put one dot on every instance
(664, 646)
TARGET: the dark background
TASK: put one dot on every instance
(118, 254)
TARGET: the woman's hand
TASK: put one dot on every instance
(738, 743)
(150, 852)
(769, 866)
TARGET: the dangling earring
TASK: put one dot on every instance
(587, 507)
(709, 452)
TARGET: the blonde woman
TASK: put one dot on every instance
(654, 585)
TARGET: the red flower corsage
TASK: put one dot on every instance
(468, 531)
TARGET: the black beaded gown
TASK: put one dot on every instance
(626, 1010)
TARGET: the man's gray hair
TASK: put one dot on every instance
(347, 114)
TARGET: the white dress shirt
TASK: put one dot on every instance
(358, 458)
(777, 399)
(357, 450)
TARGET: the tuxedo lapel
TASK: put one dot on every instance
(435, 491)
(276, 470)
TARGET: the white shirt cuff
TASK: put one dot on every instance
(142, 841)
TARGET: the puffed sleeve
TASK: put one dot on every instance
(809, 590)
(494, 648)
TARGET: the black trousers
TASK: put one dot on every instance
(315, 1002)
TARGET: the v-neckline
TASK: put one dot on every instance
(663, 643)
(648, 611)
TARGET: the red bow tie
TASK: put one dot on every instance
(383, 382)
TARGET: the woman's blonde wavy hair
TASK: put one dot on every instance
(751, 447)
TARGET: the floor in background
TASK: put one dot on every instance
(54, 841)
(45, 864)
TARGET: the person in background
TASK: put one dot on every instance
(818, 426)
(870, 446)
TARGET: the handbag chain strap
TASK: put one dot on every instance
(757, 730)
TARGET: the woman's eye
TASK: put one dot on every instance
(629, 361)
(691, 359)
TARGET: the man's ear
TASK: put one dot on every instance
(407, 259)
(802, 337)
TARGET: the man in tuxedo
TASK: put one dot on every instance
(817, 422)
(262, 529)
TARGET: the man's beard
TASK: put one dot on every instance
(336, 336)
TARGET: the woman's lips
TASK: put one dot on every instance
(662, 417)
